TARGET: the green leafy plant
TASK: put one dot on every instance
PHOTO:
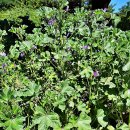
(71, 72)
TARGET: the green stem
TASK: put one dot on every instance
(91, 55)
(129, 119)
(28, 120)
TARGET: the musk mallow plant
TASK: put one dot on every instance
(78, 82)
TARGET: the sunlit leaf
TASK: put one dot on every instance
(101, 117)
(83, 122)
(126, 67)
(124, 126)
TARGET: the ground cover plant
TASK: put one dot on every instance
(69, 72)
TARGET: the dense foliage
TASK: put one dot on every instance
(125, 17)
(63, 71)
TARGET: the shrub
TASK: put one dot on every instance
(73, 73)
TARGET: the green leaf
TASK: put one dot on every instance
(96, 34)
(44, 120)
(127, 94)
(71, 104)
(6, 95)
(116, 20)
(81, 106)
(110, 127)
(1, 124)
(27, 45)
(109, 48)
(68, 90)
(30, 90)
(107, 81)
(128, 103)
(14, 52)
(100, 117)
(87, 72)
(124, 127)
(47, 39)
(83, 123)
(60, 102)
(15, 124)
(126, 67)
(1, 47)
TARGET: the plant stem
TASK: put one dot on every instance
(129, 118)
(91, 55)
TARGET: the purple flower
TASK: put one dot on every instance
(4, 65)
(85, 47)
(86, 3)
(69, 62)
(68, 34)
(105, 9)
(67, 9)
(96, 73)
(3, 54)
(53, 59)
(51, 21)
(22, 54)
(69, 48)
(15, 65)
(34, 47)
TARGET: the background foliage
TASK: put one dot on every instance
(125, 17)
(62, 70)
